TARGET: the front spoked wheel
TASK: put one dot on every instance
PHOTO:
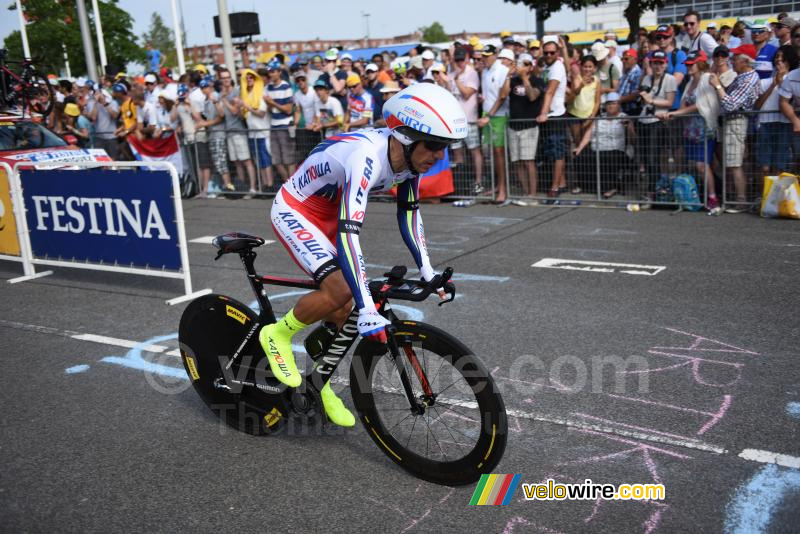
(457, 430)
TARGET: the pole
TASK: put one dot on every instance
(86, 34)
(98, 27)
(225, 31)
(66, 60)
(176, 22)
(539, 25)
(23, 32)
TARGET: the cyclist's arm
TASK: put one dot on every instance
(363, 170)
(410, 222)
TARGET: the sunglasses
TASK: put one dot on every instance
(661, 37)
(690, 24)
(435, 146)
(549, 53)
(757, 32)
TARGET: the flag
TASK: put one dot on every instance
(438, 181)
(161, 149)
(495, 489)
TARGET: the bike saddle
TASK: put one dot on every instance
(236, 242)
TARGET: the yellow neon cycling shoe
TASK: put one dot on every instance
(279, 355)
(335, 409)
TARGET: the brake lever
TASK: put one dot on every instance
(219, 254)
(452, 294)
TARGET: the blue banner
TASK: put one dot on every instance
(121, 217)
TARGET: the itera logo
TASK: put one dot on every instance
(495, 489)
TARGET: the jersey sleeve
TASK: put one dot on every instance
(362, 171)
(410, 222)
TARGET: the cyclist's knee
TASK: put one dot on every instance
(336, 290)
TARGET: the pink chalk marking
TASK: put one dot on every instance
(414, 521)
(715, 416)
(653, 521)
(726, 403)
(514, 521)
(417, 520)
(533, 384)
(638, 444)
(595, 509)
(635, 427)
(694, 362)
(700, 339)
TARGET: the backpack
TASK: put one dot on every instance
(663, 189)
(684, 188)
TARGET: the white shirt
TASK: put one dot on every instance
(492, 80)
(258, 127)
(704, 42)
(617, 62)
(609, 134)
(772, 103)
(556, 71)
(790, 88)
(327, 111)
(306, 103)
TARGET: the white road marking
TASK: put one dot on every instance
(115, 342)
(207, 239)
(599, 266)
(767, 457)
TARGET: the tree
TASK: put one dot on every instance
(434, 33)
(634, 12)
(53, 23)
(162, 38)
(545, 8)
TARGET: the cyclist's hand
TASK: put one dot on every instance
(372, 325)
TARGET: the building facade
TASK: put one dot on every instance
(611, 15)
(713, 9)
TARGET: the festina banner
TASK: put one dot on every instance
(113, 217)
(161, 149)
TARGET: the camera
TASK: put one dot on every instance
(646, 88)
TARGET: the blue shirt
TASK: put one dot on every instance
(154, 59)
(282, 94)
(764, 61)
(678, 66)
(628, 84)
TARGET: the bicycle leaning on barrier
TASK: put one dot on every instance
(27, 89)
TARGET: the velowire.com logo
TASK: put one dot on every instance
(495, 489)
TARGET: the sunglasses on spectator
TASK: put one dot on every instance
(435, 146)
(757, 32)
(661, 37)
(549, 53)
(224, 77)
(690, 24)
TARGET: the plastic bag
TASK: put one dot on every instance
(781, 197)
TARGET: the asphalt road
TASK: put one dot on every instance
(96, 436)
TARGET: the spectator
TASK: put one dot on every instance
(697, 39)
(737, 35)
(699, 133)
(373, 85)
(328, 112)
(387, 91)
(795, 33)
(165, 124)
(334, 78)
(629, 83)
(525, 103)
(587, 91)
(721, 66)
(76, 124)
(764, 51)
(495, 109)
(609, 137)
(675, 59)
(464, 84)
(774, 129)
(657, 92)
(104, 114)
(312, 74)
(724, 35)
(359, 105)
(383, 73)
(254, 110)
(607, 73)
(553, 133)
(615, 60)
(535, 48)
(783, 30)
(711, 29)
(183, 112)
(739, 97)
(279, 98)
(215, 126)
(128, 115)
(428, 58)
(154, 58)
(201, 134)
(236, 130)
(304, 102)
(151, 89)
(789, 93)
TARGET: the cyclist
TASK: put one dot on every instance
(319, 211)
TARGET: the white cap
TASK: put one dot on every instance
(150, 78)
(170, 92)
(611, 43)
(524, 57)
(550, 39)
(331, 54)
(371, 67)
(506, 53)
(347, 55)
(599, 51)
(415, 61)
(427, 54)
(712, 25)
(612, 97)
(80, 82)
(437, 67)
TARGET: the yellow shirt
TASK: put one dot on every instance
(127, 111)
(583, 105)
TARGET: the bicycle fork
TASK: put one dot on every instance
(417, 406)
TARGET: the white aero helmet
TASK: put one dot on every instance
(425, 112)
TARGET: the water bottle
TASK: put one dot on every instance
(319, 340)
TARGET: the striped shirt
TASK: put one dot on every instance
(741, 93)
(281, 94)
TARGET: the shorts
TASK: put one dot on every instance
(772, 145)
(259, 152)
(282, 147)
(554, 138)
(307, 235)
(237, 147)
(497, 131)
(219, 157)
(203, 154)
(522, 144)
(473, 139)
(735, 133)
(700, 151)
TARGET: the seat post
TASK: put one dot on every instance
(266, 315)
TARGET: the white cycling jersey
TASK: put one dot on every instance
(319, 211)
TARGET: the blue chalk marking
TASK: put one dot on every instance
(77, 369)
(793, 409)
(754, 503)
(134, 360)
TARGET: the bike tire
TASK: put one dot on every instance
(211, 329)
(490, 433)
(36, 82)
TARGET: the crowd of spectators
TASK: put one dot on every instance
(676, 97)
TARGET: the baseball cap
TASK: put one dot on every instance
(612, 97)
(119, 88)
(534, 43)
(721, 51)
(746, 49)
(170, 92)
(437, 67)
(390, 87)
(506, 53)
(300, 75)
(508, 39)
(659, 56)
(302, 60)
(321, 84)
(759, 25)
(182, 89)
(474, 41)
(331, 54)
(611, 43)
(346, 55)
(202, 68)
(694, 56)
(150, 78)
(599, 51)
(789, 22)
(664, 29)
(505, 33)
(460, 54)
(712, 25)
(427, 54)
(274, 64)
(90, 84)
(550, 39)
(524, 58)
(205, 82)
(371, 67)
(80, 82)
(72, 110)
(353, 80)
(630, 53)
(489, 50)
